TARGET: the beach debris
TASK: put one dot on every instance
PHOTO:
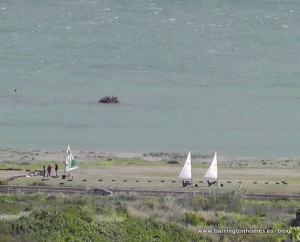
(99, 191)
(173, 162)
(109, 99)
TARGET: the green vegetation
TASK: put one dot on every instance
(229, 200)
(80, 218)
(130, 217)
(3, 182)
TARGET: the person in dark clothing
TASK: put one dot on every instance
(49, 171)
(56, 169)
(44, 170)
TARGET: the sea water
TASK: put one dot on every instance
(199, 75)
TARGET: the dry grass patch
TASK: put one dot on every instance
(137, 213)
(208, 217)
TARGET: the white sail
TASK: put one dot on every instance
(186, 172)
(70, 163)
(212, 172)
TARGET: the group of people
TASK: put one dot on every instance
(49, 169)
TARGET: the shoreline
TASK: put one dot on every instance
(11, 155)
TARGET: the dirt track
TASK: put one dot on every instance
(99, 191)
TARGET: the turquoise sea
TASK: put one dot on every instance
(193, 75)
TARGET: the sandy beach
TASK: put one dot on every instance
(15, 157)
(31, 156)
(19, 156)
(152, 170)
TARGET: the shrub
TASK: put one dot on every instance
(3, 182)
(128, 197)
(147, 230)
(200, 203)
(77, 200)
(149, 202)
(208, 218)
(191, 218)
(167, 202)
(105, 210)
(229, 200)
(135, 213)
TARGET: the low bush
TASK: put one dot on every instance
(191, 218)
(3, 182)
(228, 200)
(139, 218)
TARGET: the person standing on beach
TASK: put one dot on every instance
(56, 168)
(44, 170)
(49, 171)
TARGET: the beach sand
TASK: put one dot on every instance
(18, 156)
(30, 156)
(14, 157)
(97, 168)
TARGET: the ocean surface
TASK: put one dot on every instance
(199, 75)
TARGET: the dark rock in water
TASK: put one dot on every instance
(108, 99)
